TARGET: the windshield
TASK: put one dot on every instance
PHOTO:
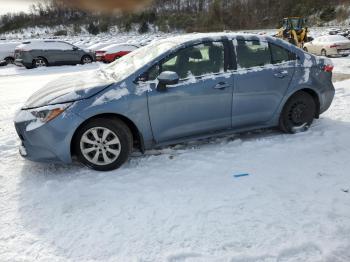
(295, 23)
(130, 63)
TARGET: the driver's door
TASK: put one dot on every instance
(201, 101)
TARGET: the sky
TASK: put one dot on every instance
(14, 6)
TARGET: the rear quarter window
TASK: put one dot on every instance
(280, 54)
(252, 53)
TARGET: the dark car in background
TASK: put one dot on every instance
(38, 53)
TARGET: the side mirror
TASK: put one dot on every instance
(167, 78)
(75, 48)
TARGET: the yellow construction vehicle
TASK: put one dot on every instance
(294, 30)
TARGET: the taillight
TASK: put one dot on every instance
(328, 68)
(334, 46)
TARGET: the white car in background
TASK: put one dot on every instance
(330, 45)
(7, 52)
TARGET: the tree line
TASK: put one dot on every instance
(186, 15)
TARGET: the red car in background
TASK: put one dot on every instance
(112, 52)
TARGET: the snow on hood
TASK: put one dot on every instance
(70, 88)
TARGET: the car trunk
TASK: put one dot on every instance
(343, 48)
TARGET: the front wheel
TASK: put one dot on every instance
(9, 60)
(40, 62)
(298, 113)
(103, 144)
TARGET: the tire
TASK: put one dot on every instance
(345, 55)
(86, 59)
(305, 49)
(40, 62)
(323, 53)
(9, 60)
(99, 155)
(298, 113)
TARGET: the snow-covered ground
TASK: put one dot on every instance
(181, 203)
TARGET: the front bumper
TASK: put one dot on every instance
(22, 151)
(49, 142)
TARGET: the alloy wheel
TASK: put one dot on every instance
(87, 60)
(40, 62)
(100, 146)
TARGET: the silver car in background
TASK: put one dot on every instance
(38, 53)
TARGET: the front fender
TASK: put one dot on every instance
(119, 101)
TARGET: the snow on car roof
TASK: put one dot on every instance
(118, 48)
(46, 44)
(97, 46)
(180, 39)
(331, 38)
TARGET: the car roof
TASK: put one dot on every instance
(181, 39)
(44, 41)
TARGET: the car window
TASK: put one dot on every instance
(280, 55)
(196, 60)
(252, 53)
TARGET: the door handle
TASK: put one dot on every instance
(281, 74)
(221, 85)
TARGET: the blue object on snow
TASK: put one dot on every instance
(240, 175)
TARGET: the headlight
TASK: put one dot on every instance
(47, 113)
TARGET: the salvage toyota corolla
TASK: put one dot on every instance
(175, 90)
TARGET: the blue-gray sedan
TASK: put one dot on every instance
(175, 90)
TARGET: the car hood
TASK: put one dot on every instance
(69, 89)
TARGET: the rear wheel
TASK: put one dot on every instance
(40, 62)
(103, 144)
(298, 113)
(86, 59)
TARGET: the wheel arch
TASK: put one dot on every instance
(136, 134)
(9, 57)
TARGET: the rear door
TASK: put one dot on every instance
(262, 78)
(201, 102)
